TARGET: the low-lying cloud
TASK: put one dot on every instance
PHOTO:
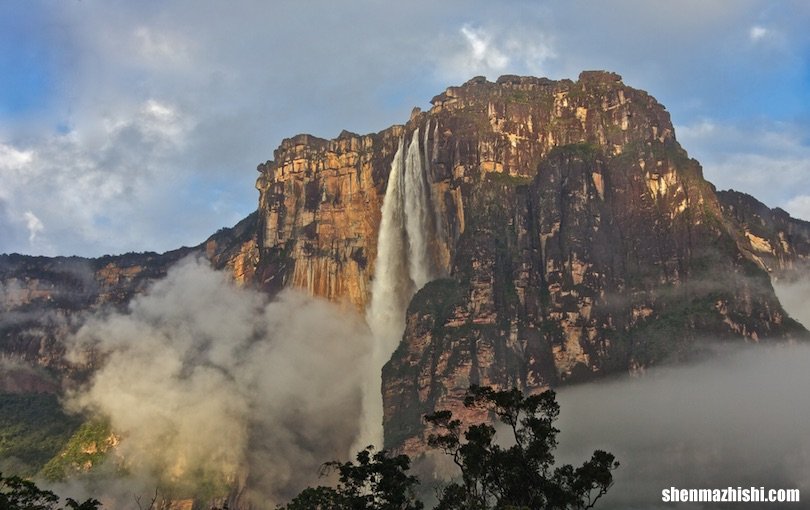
(204, 381)
(795, 298)
(739, 419)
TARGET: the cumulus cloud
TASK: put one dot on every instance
(175, 130)
(80, 189)
(757, 33)
(492, 51)
(799, 207)
(481, 50)
(208, 383)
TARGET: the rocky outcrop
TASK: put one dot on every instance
(319, 204)
(44, 298)
(777, 243)
(320, 201)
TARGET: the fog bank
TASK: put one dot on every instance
(209, 384)
(741, 418)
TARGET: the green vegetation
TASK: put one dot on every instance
(376, 482)
(584, 151)
(33, 428)
(517, 96)
(86, 448)
(19, 494)
(507, 179)
(668, 334)
(671, 151)
(521, 477)
(438, 298)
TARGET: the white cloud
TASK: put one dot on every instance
(88, 185)
(12, 159)
(33, 224)
(229, 82)
(758, 33)
(700, 129)
(482, 53)
(770, 161)
(161, 49)
(799, 207)
(491, 51)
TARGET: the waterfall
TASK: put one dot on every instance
(417, 215)
(402, 267)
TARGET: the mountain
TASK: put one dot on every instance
(525, 232)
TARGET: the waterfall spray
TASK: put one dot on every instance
(403, 266)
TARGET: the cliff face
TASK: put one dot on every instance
(592, 244)
(574, 237)
(320, 200)
(778, 243)
(319, 204)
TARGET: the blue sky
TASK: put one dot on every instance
(139, 125)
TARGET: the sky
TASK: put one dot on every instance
(137, 126)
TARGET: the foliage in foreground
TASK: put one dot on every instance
(376, 482)
(19, 494)
(521, 476)
(518, 477)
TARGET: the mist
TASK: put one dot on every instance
(795, 298)
(738, 419)
(210, 385)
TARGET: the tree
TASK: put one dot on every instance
(377, 482)
(19, 494)
(521, 476)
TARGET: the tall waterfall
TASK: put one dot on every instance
(417, 216)
(404, 264)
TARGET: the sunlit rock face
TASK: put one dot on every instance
(778, 243)
(319, 210)
(591, 244)
(573, 236)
